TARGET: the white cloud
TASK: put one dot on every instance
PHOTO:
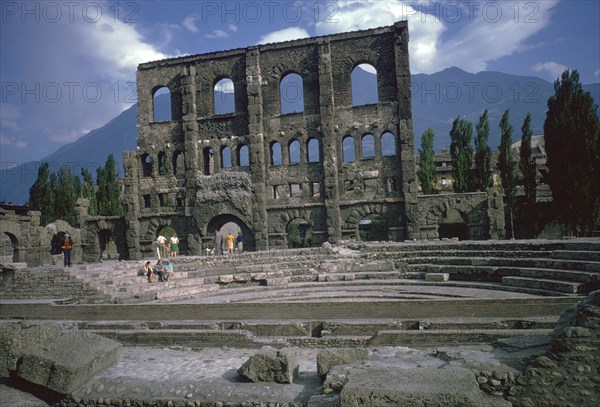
(444, 34)
(217, 34)
(12, 141)
(287, 34)
(553, 69)
(120, 46)
(232, 28)
(190, 23)
(597, 73)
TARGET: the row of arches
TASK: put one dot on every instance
(363, 80)
(370, 147)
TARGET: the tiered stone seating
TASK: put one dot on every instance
(361, 271)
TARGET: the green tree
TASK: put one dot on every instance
(528, 170)
(88, 190)
(109, 195)
(65, 196)
(39, 194)
(482, 178)
(508, 169)
(461, 153)
(572, 139)
(426, 171)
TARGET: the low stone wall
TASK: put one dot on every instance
(47, 282)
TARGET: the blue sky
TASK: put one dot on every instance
(69, 67)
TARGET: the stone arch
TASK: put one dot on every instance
(147, 164)
(351, 223)
(160, 113)
(275, 153)
(178, 162)
(291, 93)
(303, 219)
(9, 248)
(226, 157)
(223, 95)
(367, 146)
(388, 144)
(217, 222)
(243, 155)
(457, 213)
(163, 164)
(348, 149)
(53, 237)
(364, 84)
(294, 151)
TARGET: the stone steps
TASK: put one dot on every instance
(554, 285)
(578, 265)
(584, 255)
(432, 337)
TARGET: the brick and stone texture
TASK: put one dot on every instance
(180, 175)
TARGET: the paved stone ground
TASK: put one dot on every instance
(183, 374)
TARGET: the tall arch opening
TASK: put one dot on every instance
(224, 97)
(161, 105)
(226, 157)
(367, 144)
(9, 248)
(299, 233)
(146, 165)
(453, 225)
(208, 154)
(373, 228)
(388, 145)
(244, 156)
(291, 94)
(348, 150)
(312, 151)
(294, 152)
(364, 85)
(276, 154)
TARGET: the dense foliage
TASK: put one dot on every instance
(426, 171)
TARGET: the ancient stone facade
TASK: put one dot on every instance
(180, 175)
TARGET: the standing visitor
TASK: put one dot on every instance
(218, 242)
(67, 246)
(230, 240)
(174, 245)
(240, 242)
(163, 247)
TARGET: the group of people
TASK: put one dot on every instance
(230, 240)
(159, 246)
(163, 270)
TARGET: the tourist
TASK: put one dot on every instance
(230, 240)
(159, 270)
(174, 245)
(218, 242)
(156, 248)
(168, 270)
(162, 246)
(149, 271)
(67, 246)
(240, 242)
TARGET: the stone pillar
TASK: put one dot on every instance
(408, 187)
(330, 142)
(495, 214)
(81, 210)
(189, 122)
(258, 163)
(131, 204)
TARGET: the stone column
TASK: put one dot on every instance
(330, 142)
(131, 204)
(189, 123)
(258, 163)
(408, 180)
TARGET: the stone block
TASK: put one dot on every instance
(68, 361)
(228, 278)
(271, 365)
(437, 277)
(328, 358)
(391, 386)
(277, 281)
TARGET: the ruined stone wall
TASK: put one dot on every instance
(197, 193)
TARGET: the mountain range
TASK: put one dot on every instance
(437, 99)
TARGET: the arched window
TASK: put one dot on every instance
(348, 153)
(367, 144)
(388, 145)
(225, 157)
(364, 85)
(312, 149)
(276, 154)
(244, 156)
(209, 160)
(178, 162)
(291, 94)
(146, 165)
(294, 152)
(224, 97)
(161, 105)
(163, 164)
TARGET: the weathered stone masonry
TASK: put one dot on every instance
(196, 194)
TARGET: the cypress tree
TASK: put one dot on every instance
(572, 139)
(461, 153)
(482, 178)
(508, 168)
(426, 171)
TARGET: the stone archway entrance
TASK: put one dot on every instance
(373, 228)
(228, 223)
(9, 248)
(453, 225)
(299, 233)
